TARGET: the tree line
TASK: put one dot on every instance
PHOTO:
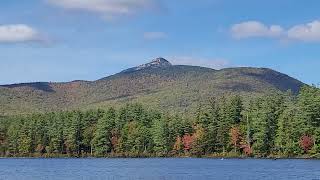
(274, 125)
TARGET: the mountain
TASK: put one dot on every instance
(158, 84)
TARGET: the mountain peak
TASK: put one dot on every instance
(155, 63)
(160, 61)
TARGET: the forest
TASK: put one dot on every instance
(273, 125)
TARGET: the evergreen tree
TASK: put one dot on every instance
(211, 141)
(25, 140)
(55, 133)
(309, 104)
(234, 110)
(3, 136)
(160, 137)
(13, 137)
(102, 136)
(223, 126)
(73, 133)
(287, 138)
(265, 119)
(275, 124)
(90, 119)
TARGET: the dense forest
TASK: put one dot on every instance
(273, 125)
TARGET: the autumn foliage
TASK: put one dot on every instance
(275, 125)
(177, 144)
(239, 142)
(187, 141)
(306, 143)
(247, 149)
(235, 136)
(114, 140)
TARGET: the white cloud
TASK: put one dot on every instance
(305, 32)
(108, 9)
(17, 33)
(154, 35)
(193, 61)
(255, 29)
(309, 32)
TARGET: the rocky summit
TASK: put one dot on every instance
(156, 63)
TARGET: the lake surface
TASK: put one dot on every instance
(158, 169)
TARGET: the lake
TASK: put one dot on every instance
(158, 169)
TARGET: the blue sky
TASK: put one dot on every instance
(64, 40)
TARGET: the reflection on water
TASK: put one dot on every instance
(158, 169)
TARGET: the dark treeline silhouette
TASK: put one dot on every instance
(275, 125)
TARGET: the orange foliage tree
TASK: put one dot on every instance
(177, 145)
(114, 140)
(235, 137)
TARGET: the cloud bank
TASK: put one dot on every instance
(255, 29)
(309, 32)
(215, 63)
(19, 33)
(305, 32)
(108, 9)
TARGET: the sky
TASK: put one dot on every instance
(65, 40)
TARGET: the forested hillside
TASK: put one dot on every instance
(273, 125)
(158, 85)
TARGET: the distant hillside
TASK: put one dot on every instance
(157, 84)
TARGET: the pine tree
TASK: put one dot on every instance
(55, 133)
(72, 132)
(160, 137)
(290, 129)
(41, 133)
(223, 125)
(235, 109)
(265, 119)
(212, 129)
(90, 119)
(309, 104)
(102, 136)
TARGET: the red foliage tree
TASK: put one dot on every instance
(306, 143)
(239, 142)
(187, 142)
(246, 149)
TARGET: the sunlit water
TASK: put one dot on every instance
(158, 169)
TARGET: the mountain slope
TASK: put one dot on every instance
(157, 84)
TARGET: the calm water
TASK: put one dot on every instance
(157, 169)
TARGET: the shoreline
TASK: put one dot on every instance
(185, 157)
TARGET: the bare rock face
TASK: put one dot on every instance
(156, 63)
